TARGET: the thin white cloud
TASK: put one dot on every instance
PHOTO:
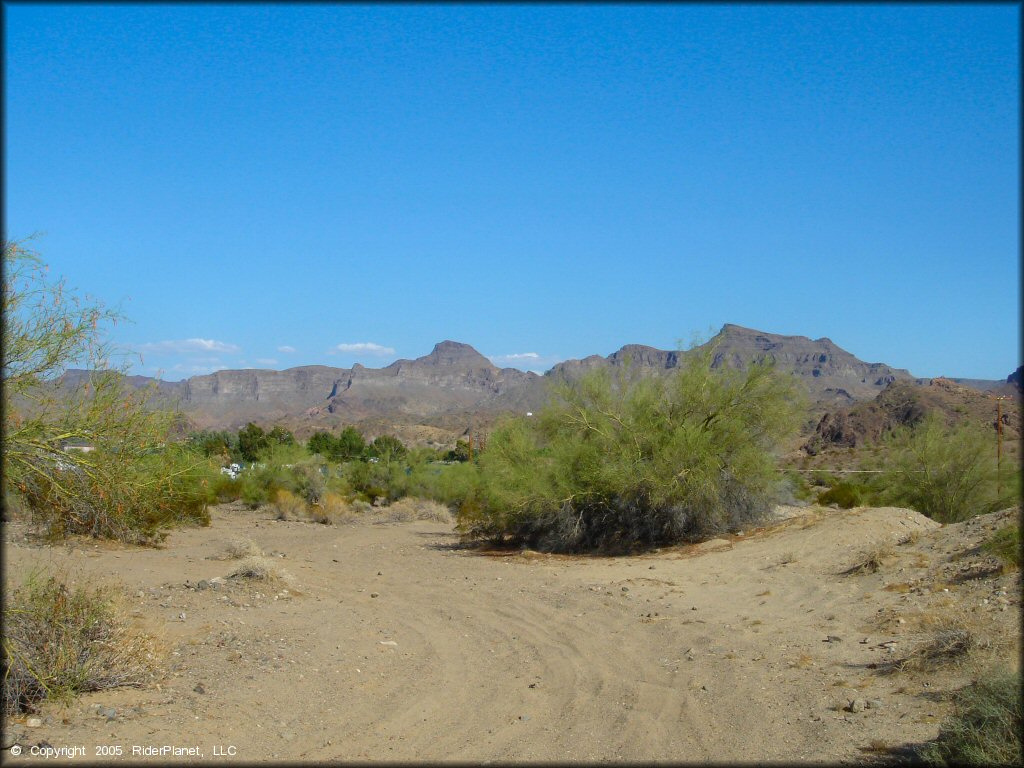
(362, 347)
(532, 361)
(188, 345)
(515, 358)
(266, 361)
(198, 369)
(286, 349)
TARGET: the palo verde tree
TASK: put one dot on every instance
(133, 482)
(347, 446)
(386, 448)
(946, 472)
(621, 462)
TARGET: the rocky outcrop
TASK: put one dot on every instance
(905, 403)
(455, 386)
(831, 374)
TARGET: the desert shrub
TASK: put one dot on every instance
(309, 482)
(278, 435)
(616, 464)
(331, 509)
(236, 549)
(153, 492)
(257, 568)
(288, 506)
(361, 507)
(459, 453)
(135, 483)
(210, 443)
(411, 508)
(844, 494)
(386, 448)
(61, 640)
(986, 725)
(870, 560)
(456, 486)
(346, 446)
(945, 639)
(259, 484)
(1005, 544)
(224, 489)
(947, 473)
(252, 442)
(795, 487)
(372, 481)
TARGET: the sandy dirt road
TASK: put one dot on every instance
(389, 641)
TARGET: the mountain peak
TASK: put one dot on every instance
(454, 353)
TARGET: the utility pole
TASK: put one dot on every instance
(999, 445)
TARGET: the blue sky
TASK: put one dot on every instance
(279, 185)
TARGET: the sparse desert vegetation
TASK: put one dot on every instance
(62, 639)
(986, 726)
(409, 559)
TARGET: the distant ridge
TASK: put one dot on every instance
(831, 373)
(455, 387)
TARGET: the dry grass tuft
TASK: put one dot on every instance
(411, 508)
(944, 645)
(61, 640)
(803, 660)
(911, 538)
(870, 561)
(362, 507)
(236, 549)
(901, 587)
(288, 506)
(945, 639)
(1005, 545)
(331, 509)
(986, 726)
(257, 569)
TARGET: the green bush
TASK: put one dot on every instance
(153, 492)
(1005, 544)
(309, 482)
(224, 489)
(347, 446)
(844, 494)
(387, 449)
(288, 467)
(636, 461)
(259, 484)
(459, 453)
(799, 489)
(947, 473)
(209, 443)
(134, 483)
(986, 725)
(60, 640)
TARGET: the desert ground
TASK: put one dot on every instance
(392, 641)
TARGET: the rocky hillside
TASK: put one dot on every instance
(905, 403)
(455, 388)
(831, 374)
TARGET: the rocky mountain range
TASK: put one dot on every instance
(830, 373)
(455, 388)
(905, 403)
